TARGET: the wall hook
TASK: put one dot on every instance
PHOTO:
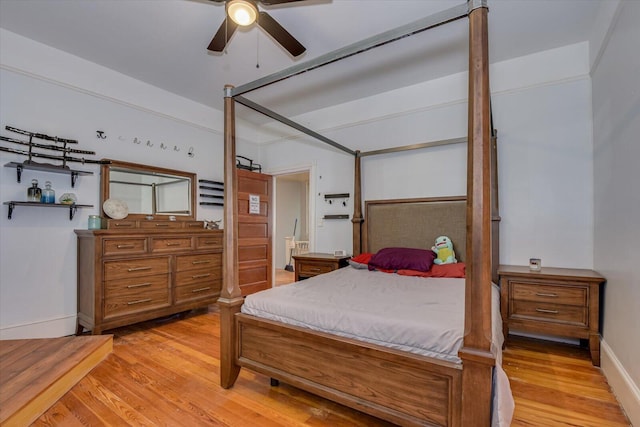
(191, 154)
(100, 134)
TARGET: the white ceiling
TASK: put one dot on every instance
(163, 42)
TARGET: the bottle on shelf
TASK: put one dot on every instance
(48, 194)
(34, 193)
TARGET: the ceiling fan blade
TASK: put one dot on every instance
(281, 35)
(219, 41)
(272, 2)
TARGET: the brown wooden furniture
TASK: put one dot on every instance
(312, 264)
(150, 192)
(254, 231)
(554, 301)
(400, 387)
(128, 276)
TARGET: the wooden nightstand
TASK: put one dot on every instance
(554, 301)
(309, 265)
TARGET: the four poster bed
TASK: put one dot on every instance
(456, 383)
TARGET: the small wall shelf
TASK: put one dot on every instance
(337, 196)
(46, 168)
(215, 186)
(72, 208)
(339, 216)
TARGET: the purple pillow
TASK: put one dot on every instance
(402, 259)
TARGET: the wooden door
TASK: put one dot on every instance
(254, 231)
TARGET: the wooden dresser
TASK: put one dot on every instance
(127, 276)
(312, 264)
(554, 301)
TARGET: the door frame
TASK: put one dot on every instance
(310, 168)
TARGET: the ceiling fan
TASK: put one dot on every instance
(245, 13)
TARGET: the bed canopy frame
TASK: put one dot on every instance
(474, 385)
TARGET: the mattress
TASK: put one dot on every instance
(414, 314)
(423, 316)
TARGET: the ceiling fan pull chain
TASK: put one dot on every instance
(257, 49)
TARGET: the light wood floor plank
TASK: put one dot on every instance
(167, 373)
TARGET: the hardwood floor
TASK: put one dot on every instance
(556, 385)
(166, 373)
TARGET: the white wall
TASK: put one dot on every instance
(543, 117)
(48, 91)
(616, 126)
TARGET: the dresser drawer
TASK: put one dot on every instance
(313, 268)
(135, 285)
(135, 267)
(566, 314)
(160, 225)
(124, 246)
(115, 224)
(198, 290)
(569, 295)
(170, 244)
(191, 262)
(201, 275)
(194, 225)
(209, 242)
(127, 303)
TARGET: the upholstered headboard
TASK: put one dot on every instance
(415, 223)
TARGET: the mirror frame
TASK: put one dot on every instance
(105, 172)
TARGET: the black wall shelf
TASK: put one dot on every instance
(46, 168)
(340, 216)
(216, 187)
(72, 208)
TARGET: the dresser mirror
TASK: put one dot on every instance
(149, 191)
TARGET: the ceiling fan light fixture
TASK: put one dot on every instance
(242, 12)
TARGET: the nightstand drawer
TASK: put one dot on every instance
(315, 268)
(566, 314)
(568, 295)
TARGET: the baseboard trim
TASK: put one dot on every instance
(625, 390)
(49, 328)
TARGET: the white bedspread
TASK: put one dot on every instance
(414, 314)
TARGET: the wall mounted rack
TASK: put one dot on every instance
(339, 216)
(46, 168)
(72, 208)
(216, 187)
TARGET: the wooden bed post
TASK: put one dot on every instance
(230, 299)
(357, 208)
(476, 355)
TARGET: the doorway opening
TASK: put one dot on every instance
(293, 230)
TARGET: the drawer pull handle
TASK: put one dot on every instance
(138, 269)
(543, 294)
(139, 285)
(200, 276)
(173, 244)
(315, 269)
(203, 261)
(195, 225)
(117, 224)
(125, 246)
(201, 289)
(210, 242)
(140, 301)
(542, 310)
(162, 225)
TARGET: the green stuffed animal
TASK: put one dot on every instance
(444, 251)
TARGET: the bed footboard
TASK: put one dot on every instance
(403, 388)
